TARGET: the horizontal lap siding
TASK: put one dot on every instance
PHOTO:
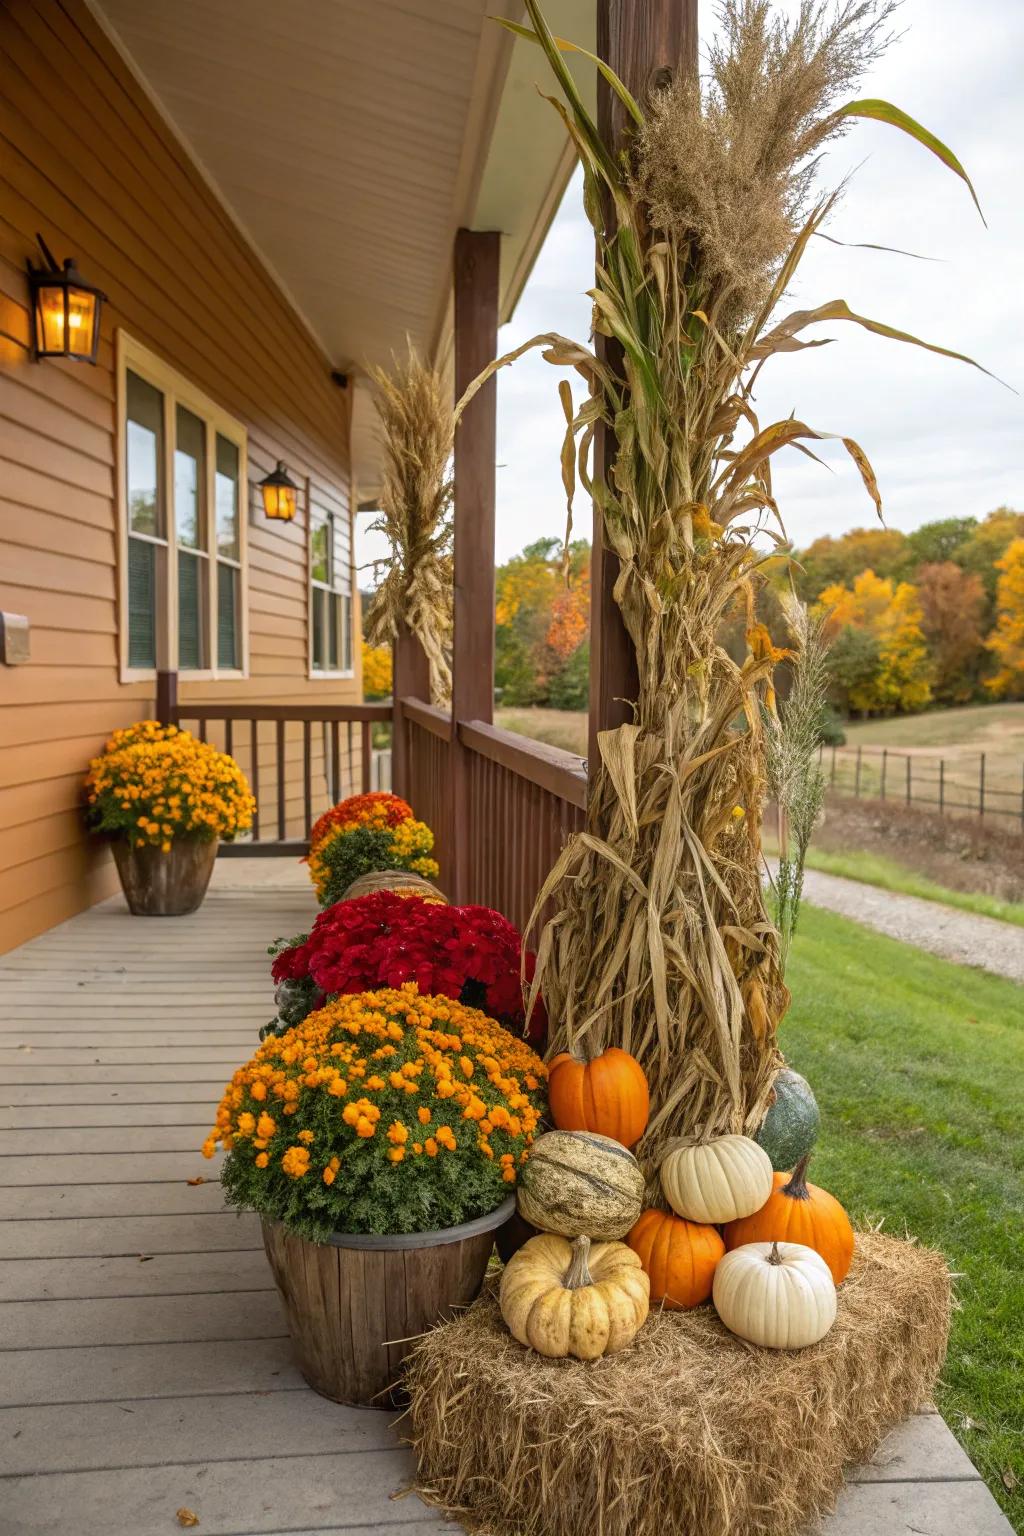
(86, 159)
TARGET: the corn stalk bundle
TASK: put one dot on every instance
(661, 942)
(416, 433)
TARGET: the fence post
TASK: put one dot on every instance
(885, 764)
(909, 763)
(981, 786)
(942, 786)
(167, 698)
(856, 776)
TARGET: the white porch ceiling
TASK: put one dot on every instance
(350, 139)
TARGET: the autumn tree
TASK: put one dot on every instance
(890, 614)
(942, 540)
(988, 543)
(836, 562)
(377, 671)
(952, 618)
(1006, 641)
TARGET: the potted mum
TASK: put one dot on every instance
(379, 1141)
(363, 834)
(384, 939)
(165, 799)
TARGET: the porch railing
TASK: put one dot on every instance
(299, 759)
(501, 820)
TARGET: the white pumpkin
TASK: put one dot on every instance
(778, 1295)
(718, 1181)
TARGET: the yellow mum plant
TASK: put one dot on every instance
(154, 783)
(371, 840)
(387, 1111)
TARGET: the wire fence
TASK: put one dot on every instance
(973, 785)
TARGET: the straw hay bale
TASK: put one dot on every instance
(690, 1432)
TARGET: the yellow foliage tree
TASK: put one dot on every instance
(890, 613)
(1006, 641)
(377, 671)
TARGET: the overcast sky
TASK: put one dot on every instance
(944, 439)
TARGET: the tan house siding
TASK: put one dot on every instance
(86, 159)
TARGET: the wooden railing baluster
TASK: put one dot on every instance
(282, 803)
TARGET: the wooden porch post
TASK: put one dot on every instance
(476, 267)
(639, 39)
(410, 678)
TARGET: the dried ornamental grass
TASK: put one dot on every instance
(690, 1429)
(661, 941)
(417, 430)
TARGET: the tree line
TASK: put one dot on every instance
(930, 617)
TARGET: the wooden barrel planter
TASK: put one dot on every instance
(158, 884)
(402, 880)
(356, 1304)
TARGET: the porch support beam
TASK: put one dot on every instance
(639, 39)
(476, 268)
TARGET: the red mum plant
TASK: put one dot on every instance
(377, 806)
(471, 954)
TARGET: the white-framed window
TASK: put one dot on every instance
(182, 525)
(330, 589)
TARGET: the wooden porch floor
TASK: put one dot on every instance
(144, 1363)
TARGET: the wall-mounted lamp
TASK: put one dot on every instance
(278, 489)
(66, 310)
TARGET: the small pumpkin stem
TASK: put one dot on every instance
(796, 1189)
(578, 1273)
(775, 1257)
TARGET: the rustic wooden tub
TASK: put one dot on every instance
(356, 1304)
(158, 884)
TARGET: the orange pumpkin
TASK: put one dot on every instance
(798, 1212)
(679, 1257)
(607, 1095)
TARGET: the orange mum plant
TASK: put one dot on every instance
(385, 1111)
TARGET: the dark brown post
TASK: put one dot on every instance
(476, 269)
(167, 698)
(639, 39)
(410, 679)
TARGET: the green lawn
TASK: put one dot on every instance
(874, 869)
(918, 1066)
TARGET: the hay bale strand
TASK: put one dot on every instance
(690, 1431)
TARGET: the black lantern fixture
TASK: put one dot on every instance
(279, 491)
(66, 309)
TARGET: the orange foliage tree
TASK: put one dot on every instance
(952, 609)
(1006, 641)
(890, 613)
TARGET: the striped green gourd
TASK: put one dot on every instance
(578, 1183)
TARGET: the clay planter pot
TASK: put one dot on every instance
(159, 884)
(356, 1304)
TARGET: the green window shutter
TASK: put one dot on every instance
(227, 616)
(190, 620)
(141, 603)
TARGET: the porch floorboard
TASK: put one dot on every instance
(132, 1295)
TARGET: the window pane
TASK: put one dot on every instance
(319, 564)
(190, 612)
(227, 616)
(189, 470)
(141, 603)
(319, 597)
(332, 632)
(227, 498)
(145, 421)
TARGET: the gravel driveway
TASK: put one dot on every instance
(961, 936)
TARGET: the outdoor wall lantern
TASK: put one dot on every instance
(278, 491)
(66, 310)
